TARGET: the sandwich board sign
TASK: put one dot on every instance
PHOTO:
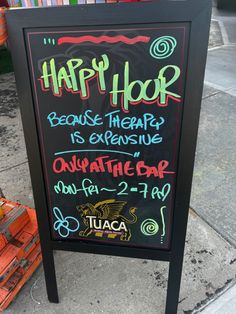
(110, 99)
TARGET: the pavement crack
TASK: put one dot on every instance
(223, 235)
(15, 166)
(213, 94)
(182, 300)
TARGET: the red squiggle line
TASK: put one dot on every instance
(99, 39)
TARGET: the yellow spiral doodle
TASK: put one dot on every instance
(163, 47)
(149, 227)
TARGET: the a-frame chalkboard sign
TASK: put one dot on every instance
(110, 99)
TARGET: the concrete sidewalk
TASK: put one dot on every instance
(213, 192)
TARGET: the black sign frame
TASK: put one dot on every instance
(197, 13)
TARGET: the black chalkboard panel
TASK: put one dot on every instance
(108, 104)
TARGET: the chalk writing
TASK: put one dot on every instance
(104, 38)
(149, 227)
(87, 119)
(77, 82)
(88, 188)
(148, 120)
(156, 192)
(163, 47)
(158, 86)
(110, 138)
(64, 225)
(134, 123)
(115, 167)
(163, 223)
(94, 150)
(67, 76)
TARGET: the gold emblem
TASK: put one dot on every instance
(106, 218)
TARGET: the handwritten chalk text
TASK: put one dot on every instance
(89, 188)
(105, 164)
(76, 80)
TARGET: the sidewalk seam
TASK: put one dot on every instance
(226, 239)
(224, 32)
(213, 94)
(20, 164)
(217, 296)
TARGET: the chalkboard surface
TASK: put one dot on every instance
(108, 104)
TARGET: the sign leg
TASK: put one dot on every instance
(50, 275)
(173, 288)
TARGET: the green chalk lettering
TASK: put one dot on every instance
(160, 88)
(164, 84)
(101, 67)
(84, 75)
(63, 77)
(73, 64)
(76, 79)
(47, 75)
(115, 91)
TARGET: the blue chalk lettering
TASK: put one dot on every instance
(86, 119)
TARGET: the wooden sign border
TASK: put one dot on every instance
(198, 14)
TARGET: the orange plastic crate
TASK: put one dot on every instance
(20, 251)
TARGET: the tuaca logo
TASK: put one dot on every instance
(106, 218)
(99, 224)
